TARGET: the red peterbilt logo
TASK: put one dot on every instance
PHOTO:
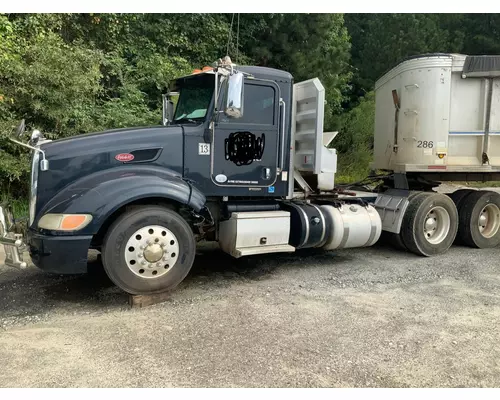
(124, 157)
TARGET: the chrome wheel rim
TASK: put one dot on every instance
(151, 251)
(489, 221)
(436, 225)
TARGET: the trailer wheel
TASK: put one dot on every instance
(479, 224)
(148, 250)
(430, 224)
(458, 197)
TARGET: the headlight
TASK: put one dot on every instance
(33, 186)
(64, 222)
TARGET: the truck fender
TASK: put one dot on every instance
(104, 192)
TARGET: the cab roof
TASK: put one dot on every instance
(267, 73)
(258, 72)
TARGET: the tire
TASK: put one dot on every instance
(130, 261)
(458, 198)
(484, 204)
(429, 238)
(393, 240)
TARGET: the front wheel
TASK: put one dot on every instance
(148, 250)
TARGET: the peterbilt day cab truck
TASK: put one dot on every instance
(242, 159)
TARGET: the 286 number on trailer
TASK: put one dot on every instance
(425, 144)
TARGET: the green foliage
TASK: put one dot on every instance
(306, 45)
(354, 143)
(483, 35)
(18, 205)
(48, 81)
(380, 41)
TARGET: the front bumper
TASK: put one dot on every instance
(59, 254)
(54, 254)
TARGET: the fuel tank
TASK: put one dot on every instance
(335, 226)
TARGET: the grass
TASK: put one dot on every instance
(353, 167)
(19, 207)
(479, 184)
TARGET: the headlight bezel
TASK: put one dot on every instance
(56, 222)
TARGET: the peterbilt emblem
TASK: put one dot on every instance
(124, 157)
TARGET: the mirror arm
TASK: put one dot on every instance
(44, 163)
(209, 133)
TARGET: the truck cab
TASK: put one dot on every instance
(240, 158)
(235, 155)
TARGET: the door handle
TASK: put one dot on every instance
(266, 172)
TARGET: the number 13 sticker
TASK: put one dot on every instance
(203, 149)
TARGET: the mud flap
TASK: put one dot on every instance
(391, 206)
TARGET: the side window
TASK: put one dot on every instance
(258, 107)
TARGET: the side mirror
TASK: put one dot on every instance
(234, 96)
(168, 108)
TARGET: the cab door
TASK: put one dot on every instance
(245, 149)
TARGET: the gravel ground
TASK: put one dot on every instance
(362, 317)
(372, 317)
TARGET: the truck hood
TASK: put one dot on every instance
(114, 140)
(73, 158)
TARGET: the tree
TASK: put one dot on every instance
(482, 34)
(354, 143)
(380, 41)
(306, 45)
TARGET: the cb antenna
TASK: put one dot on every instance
(229, 35)
(237, 39)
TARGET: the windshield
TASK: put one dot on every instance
(194, 98)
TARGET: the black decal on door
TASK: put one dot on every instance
(243, 148)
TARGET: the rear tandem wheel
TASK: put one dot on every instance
(479, 219)
(458, 197)
(430, 224)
